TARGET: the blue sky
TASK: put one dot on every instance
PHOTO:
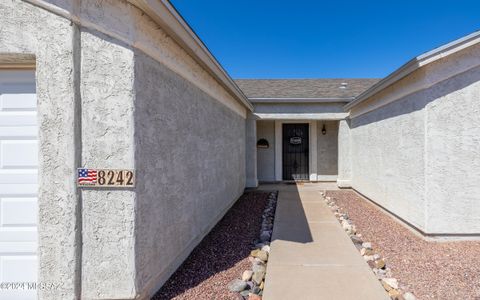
(324, 39)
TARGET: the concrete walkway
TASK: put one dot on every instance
(311, 255)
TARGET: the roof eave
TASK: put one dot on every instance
(398, 74)
(162, 12)
(300, 99)
(416, 63)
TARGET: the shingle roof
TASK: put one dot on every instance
(304, 88)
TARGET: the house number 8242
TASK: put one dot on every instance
(115, 178)
(105, 177)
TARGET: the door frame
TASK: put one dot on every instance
(312, 147)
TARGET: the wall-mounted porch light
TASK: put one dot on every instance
(262, 143)
(324, 130)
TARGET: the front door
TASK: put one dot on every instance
(295, 152)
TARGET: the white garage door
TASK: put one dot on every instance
(18, 184)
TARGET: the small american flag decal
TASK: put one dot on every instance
(87, 176)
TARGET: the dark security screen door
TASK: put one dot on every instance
(295, 152)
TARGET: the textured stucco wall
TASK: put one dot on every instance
(327, 150)
(266, 157)
(251, 151)
(344, 154)
(101, 104)
(417, 155)
(388, 157)
(190, 159)
(453, 156)
(107, 105)
(27, 29)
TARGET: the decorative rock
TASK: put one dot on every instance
(390, 283)
(367, 245)
(258, 260)
(382, 272)
(266, 248)
(368, 257)
(262, 255)
(258, 277)
(245, 293)
(409, 296)
(395, 294)
(256, 290)
(380, 264)
(254, 252)
(262, 285)
(385, 286)
(247, 275)
(254, 297)
(356, 239)
(347, 227)
(259, 268)
(376, 256)
(265, 236)
(237, 285)
(259, 245)
(366, 251)
(353, 231)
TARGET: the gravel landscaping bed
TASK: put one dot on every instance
(428, 269)
(222, 255)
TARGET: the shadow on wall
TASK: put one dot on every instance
(419, 100)
(291, 222)
(190, 161)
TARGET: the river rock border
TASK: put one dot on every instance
(251, 283)
(375, 260)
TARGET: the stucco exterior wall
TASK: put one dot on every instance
(327, 150)
(190, 159)
(26, 29)
(453, 156)
(344, 154)
(416, 153)
(266, 157)
(114, 91)
(107, 141)
(251, 151)
(388, 158)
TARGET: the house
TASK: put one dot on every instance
(128, 85)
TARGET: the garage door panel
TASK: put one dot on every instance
(18, 118)
(18, 181)
(18, 102)
(18, 211)
(14, 235)
(22, 176)
(25, 190)
(18, 132)
(12, 86)
(18, 248)
(19, 268)
(18, 154)
(18, 190)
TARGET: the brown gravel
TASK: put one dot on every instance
(428, 269)
(221, 256)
